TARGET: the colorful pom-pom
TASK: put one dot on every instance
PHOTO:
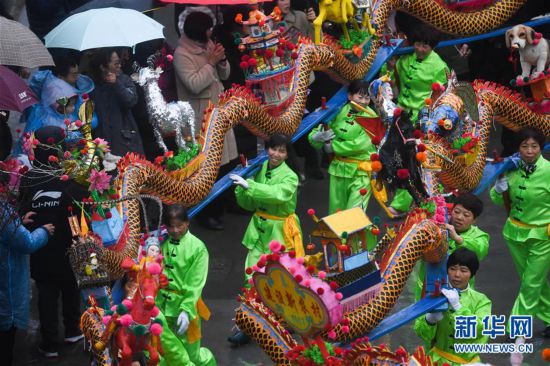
(121, 309)
(403, 174)
(155, 312)
(248, 271)
(363, 191)
(275, 246)
(311, 212)
(421, 156)
(156, 329)
(417, 134)
(128, 304)
(332, 334)
(339, 296)
(322, 275)
(421, 147)
(106, 319)
(345, 329)
(125, 320)
(397, 112)
(374, 157)
(376, 166)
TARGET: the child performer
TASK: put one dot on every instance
(351, 143)
(463, 233)
(186, 266)
(438, 329)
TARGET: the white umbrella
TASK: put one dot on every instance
(107, 27)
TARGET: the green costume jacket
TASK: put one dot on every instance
(272, 192)
(416, 79)
(441, 335)
(475, 240)
(350, 141)
(186, 266)
(529, 203)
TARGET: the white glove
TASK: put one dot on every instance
(183, 323)
(238, 180)
(323, 136)
(501, 185)
(516, 359)
(452, 297)
(328, 148)
(433, 318)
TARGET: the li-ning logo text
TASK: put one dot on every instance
(54, 202)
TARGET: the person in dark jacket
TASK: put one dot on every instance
(16, 243)
(50, 197)
(114, 96)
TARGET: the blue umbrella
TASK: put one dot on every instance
(107, 27)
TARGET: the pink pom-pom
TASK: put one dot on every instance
(307, 283)
(170, 58)
(154, 312)
(106, 319)
(113, 308)
(292, 270)
(275, 246)
(128, 304)
(397, 112)
(255, 268)
(311, 212)
(159, 258)
(339, 296)
(322, 275)
(154, 268)
(64, 177)
(156, 329)
(251, 281)
(300, 260)
(332, 334)
(345, 329)
(125, 320)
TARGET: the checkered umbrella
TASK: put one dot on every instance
(19, 46)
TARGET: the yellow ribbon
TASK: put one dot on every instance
(363, 165)
(528, 226)
(291, 231)
(454, 358)
(194, 331)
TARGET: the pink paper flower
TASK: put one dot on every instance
(99, 180)
(102, 145)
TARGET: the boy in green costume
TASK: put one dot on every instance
(186, 268)
(438, 329)
(463, 233)
(352, 144)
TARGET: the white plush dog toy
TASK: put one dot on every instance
(533, 49)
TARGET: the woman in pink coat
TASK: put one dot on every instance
(200, 65)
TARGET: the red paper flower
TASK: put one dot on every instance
(374, 157)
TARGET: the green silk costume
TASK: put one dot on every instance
(186, 267)
(474, 239)
(416, 78)
(351, 143)
(527, 234)
(271, 194)
(440, 336)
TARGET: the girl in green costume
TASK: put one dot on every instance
(186, 268)
(352, 147)
(438, 329)
(525, 192)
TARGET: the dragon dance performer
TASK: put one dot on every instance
(186, 267)
(438, 329)
(350, 137)
(463, 233)
(416, 72)
(272, 195)
(525, 192)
